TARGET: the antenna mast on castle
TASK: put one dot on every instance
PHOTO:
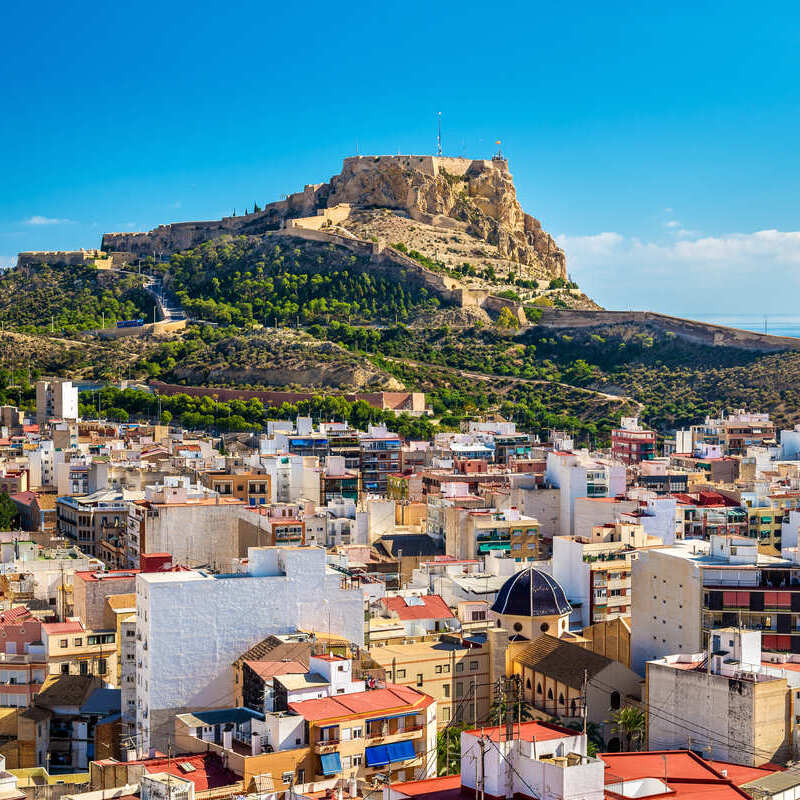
(439, 138)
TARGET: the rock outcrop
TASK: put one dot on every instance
(478, 193)
(475, 196)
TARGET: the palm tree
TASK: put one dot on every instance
(629, 723)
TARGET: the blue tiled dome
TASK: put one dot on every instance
(531, 593)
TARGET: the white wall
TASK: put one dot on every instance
(195, 625)
(572, 572)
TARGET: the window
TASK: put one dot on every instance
(356, 733)
(419, 679)
(459, 689)
(438, 669)
(445, 714)
(401, 673)
(538, 688)
(65, 669)
(460, 666)
(517, 626)
(288, 777)
(64, 643)
(445, 668)
(84, 668)
(345, 762)
(544, 627)
(616, 700)
(101, 666)
(78, 643)
(356, 761)
(473, 666)
(447, 690)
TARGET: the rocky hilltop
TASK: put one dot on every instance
(476, 198)
(479, 194)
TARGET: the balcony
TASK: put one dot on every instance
(408, 733)
(326, 746)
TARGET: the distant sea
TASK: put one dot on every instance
(776, 324)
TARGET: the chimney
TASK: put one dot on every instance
(227, 739)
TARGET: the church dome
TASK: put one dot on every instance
(531, 593)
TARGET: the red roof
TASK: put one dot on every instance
(528, 732)
(15, 615)
(688, 775)
(209, 771)
(26, 498)
(55, 628)
(428, 785)
(90, 576)
(432, 607)
(739, 774)
(360, 703)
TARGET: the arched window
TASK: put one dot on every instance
(572, 707)
(561, 699)
(549, 694)
(616, 700)
(538, 688)
(528, 684)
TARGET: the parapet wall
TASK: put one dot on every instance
(691, 330)
(64, 258)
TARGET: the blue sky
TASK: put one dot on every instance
(658, 144)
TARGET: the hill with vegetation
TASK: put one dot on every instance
(281, 312)
(66, 300)
(247, 280)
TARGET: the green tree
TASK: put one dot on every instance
(166, 417)
(629, 723)
(507, 320)
(8, 512)
(448, 749)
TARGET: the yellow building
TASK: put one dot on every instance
(71, 649)
(253, 488)
(455, 673)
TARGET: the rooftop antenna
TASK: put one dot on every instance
(439, 138)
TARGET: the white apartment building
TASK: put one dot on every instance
(56, 399)
(576, 474)
(595, 571)
(194, 524)
(192, 625)
(292, 477)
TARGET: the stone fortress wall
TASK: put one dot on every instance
(699, 332)
(65, 258)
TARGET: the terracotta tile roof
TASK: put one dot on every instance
(432, 607)
(269, 669)
(15, 615)
(274, 649)
(362, 703)
(564, 661)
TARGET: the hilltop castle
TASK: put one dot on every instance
(475, 195)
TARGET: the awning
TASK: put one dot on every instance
(331, 763)
(377, 756)
(401, 751)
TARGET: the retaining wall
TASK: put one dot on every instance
(691, 330)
